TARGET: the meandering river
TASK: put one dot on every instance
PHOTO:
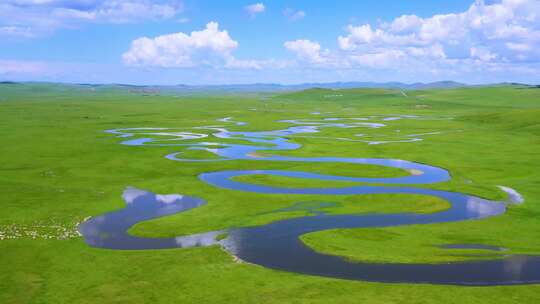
(277, 245)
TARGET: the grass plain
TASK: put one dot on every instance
(59, 167)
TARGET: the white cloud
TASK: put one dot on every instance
(482, 54)
(254, 9)
(497, 37)
(435, 51)
(181, 50)
(405, 24)
(520, 47)
(209, 47)
(39, 17)
(306, 50)
(502, 30)
(294, 15)
(121, 11)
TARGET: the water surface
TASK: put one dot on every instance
(277, 245)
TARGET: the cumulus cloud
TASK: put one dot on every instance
(30, 18)
(306, 50)
(486, 37)
(508, 30)
(254, 9)
(294, 15)
(483, 54)
(210, 47)
(181, 50)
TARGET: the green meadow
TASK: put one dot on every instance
(59, 167)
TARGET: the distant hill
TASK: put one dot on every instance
(255, 88)
(269, 87)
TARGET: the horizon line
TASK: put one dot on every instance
(270, 83)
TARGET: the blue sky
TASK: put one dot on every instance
(217, 42)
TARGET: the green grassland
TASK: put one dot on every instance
(58, 166)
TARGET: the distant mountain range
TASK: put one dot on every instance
(269, 87)
(259, 87)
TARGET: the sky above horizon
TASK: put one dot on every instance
(227, 42)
